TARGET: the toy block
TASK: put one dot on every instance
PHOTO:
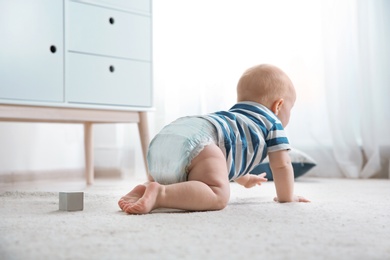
(71, 201)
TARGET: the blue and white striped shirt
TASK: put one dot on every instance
(246, 133)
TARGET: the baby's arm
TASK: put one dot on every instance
(250, 180)
(283, 175)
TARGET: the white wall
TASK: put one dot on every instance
(31, 147)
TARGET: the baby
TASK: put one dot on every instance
(193, 159)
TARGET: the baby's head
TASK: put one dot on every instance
(270, 86)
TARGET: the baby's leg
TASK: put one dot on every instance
(207, 188)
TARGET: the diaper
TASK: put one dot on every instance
(172, 150)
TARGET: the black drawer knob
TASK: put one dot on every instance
(111, 68)
(53, 49)
(111, 20)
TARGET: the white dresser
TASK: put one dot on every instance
(76, 62)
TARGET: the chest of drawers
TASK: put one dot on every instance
(76, 62)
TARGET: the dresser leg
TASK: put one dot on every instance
(144, 136)
(88, 146)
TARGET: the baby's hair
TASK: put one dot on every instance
(263, 84)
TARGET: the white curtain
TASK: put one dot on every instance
(336, 53)
(356, 48)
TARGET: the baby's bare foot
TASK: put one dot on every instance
(142, 199)
(133, 196)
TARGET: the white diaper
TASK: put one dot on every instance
(172, 150)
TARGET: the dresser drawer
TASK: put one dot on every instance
(98, 30)
(31, 50)
(108, 81)
(129, 5)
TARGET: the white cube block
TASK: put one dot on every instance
(71, 201)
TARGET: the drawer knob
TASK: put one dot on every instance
(111, 68)
(53, 49)
(111, 20)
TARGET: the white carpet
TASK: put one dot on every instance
(347, 219)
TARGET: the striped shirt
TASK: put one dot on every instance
(246, 133)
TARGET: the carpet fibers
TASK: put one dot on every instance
(347, 219)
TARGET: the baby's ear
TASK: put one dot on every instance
(277, 105)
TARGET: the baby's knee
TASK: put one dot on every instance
(223, 202)
(222, 198)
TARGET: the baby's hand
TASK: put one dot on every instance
(295, 199)
(255, 180)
